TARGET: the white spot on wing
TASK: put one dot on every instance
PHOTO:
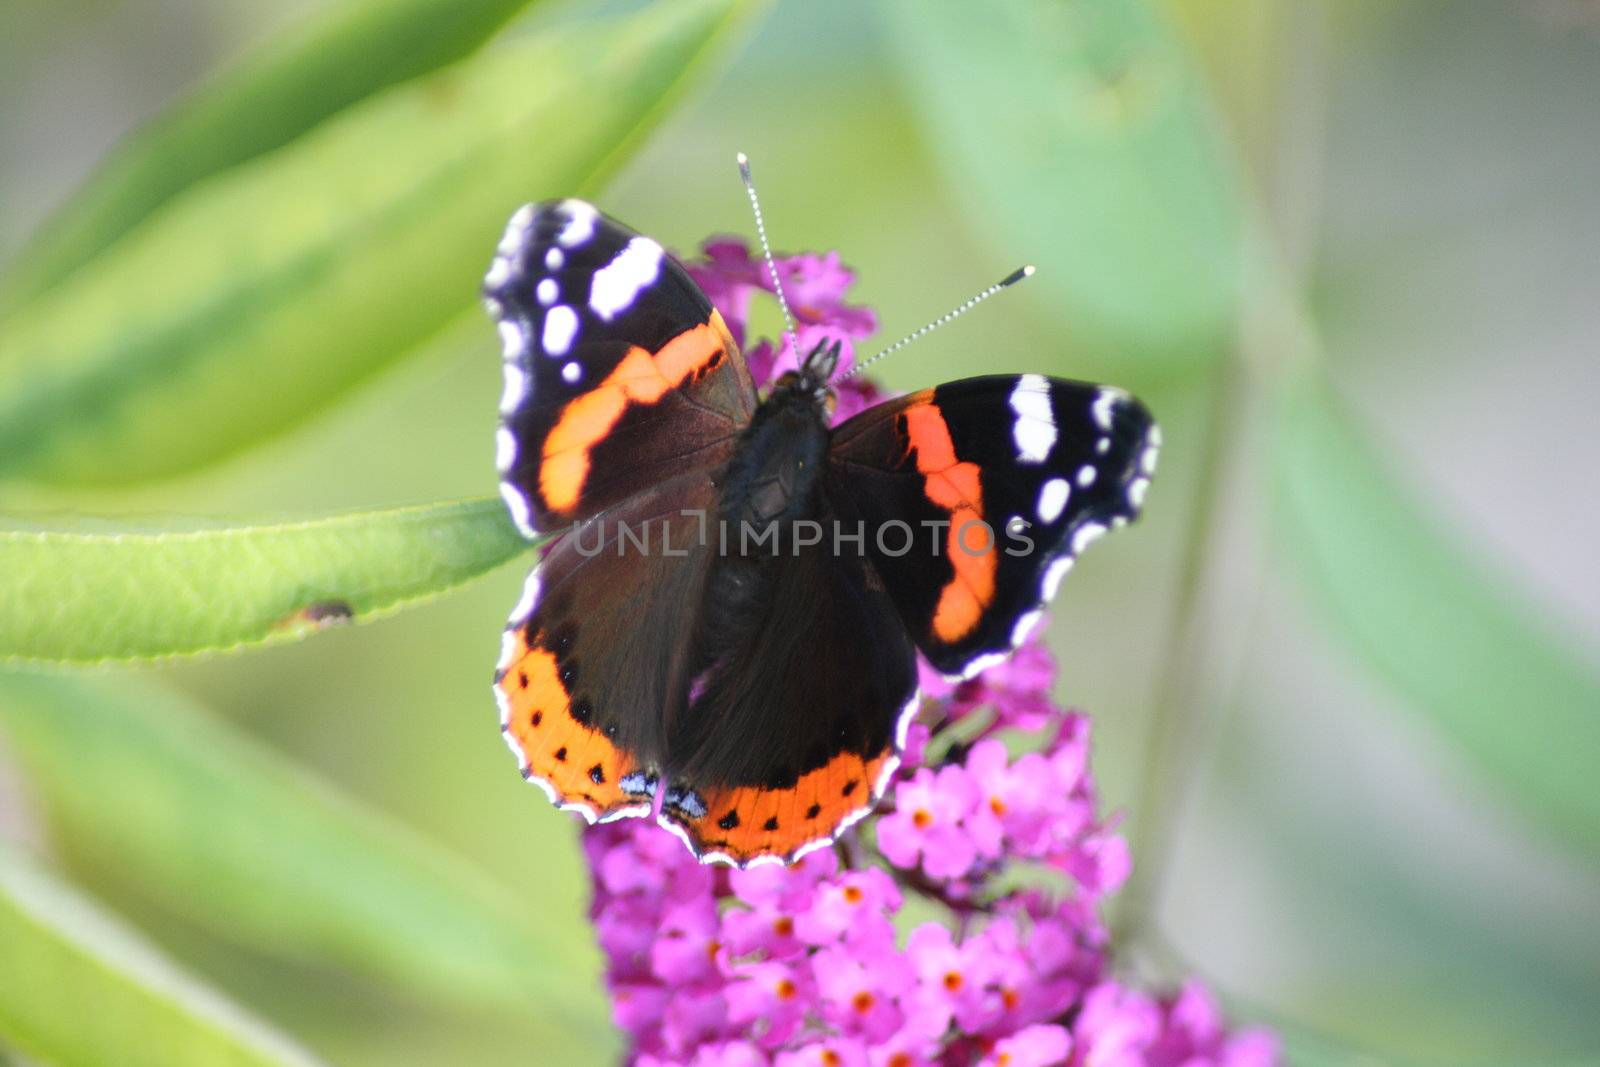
(555, 259)
(1086, 476)
(1025, 626)
(516, 234)
(508, 652)
(1087, 535)
(581, 218)
(517, 504)
(633, 811)
(1053, 574)
(1035, 427)
(516, 388)
(1152, 446)
(505, 449)
(499, 273)
(511, 339)
(560, 327)
(1104, 403)
(581, 808)
(617, 284)
(529, 601)
(1053, 496)
(572, 372)
(903, 721)
(1136, 491)
(547, 290)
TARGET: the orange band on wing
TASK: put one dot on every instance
(956, 487)
(747, 822)
(577, 762)
(640, 378)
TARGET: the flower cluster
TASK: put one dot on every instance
(960, 927)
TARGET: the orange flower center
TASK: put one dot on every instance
(853, 894)
(997, 805)
(783, 927)
(786, 990)
(863, 1002)
(952, 980)
(922, 818)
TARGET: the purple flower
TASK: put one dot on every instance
(1032, 1046)
(854, 908)
(998, 839)
(928, 824)
(860, 991)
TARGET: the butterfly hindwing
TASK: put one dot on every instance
(593, 654)
(792, 735)
(1001, 482)
(618, 371)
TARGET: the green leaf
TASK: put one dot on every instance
(271, 96)
(1083, 140)
(1489, 673)
(260, 296)
(83, 597)
(77, 989)
(230, 836)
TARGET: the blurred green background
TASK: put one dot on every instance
(1344, 675)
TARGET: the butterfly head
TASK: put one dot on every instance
(816, 370)
(811, 383)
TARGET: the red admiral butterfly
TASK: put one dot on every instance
(753, 691)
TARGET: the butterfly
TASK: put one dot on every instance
(745, 669)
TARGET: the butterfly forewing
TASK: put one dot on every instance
(618, 371)
(982, 492)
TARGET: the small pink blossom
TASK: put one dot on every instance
(686, 945)
(853, 908)
(1032, 1046)
(926, 826)
(769, 1001)
(860, 992)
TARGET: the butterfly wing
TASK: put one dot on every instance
(1001, 481)
(618, 371)
(794, 733)
(594, 654)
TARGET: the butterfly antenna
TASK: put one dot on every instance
(766, 250)
(954, 313)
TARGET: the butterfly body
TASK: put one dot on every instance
(749, 679)
(774, 475)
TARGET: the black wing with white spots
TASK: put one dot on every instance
(618, 371)
(1000, 483)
